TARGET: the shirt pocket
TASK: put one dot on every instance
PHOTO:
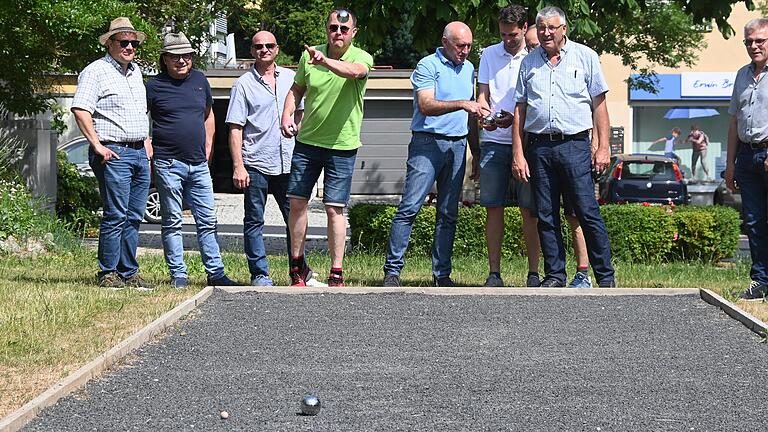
(574, 83)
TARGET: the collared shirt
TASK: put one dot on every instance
(451, 83)
(499, 69)
(255, 106)
(559, 97)
(117, 102)
(333, 114)
(749, 104)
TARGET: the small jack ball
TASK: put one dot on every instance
(310, 405)
(224, 415)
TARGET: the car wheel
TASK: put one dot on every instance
(152, 213)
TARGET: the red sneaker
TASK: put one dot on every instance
(298, 276)
(335, 280)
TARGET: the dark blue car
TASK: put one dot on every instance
(637, 178)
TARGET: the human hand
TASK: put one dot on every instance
(240, 177)
(520, 168)
(105, 153)
(315, 55)
(288, 127)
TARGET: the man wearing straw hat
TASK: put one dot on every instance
(183, 125)
(110, 108)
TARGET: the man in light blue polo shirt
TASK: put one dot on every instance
(261, 155)
(560, 96)
(443, 106)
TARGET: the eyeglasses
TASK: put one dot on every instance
(333, 28)
(125, 42)
(551, 28)
(177, 57)
(759, 42)
(269, 46)
(463, 46)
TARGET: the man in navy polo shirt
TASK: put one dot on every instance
(443, 86)
(180, 101)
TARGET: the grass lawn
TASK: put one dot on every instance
(54, 319)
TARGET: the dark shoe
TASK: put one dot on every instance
(493, 280)
(443, 282)
(111, 281)
(138, 283)
(222, 281)
(335, 280)
(755, 292)
(552, 283)
(179, 282)
(391, 280)
(533, 281)
(607, 284)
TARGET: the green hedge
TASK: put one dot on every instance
(637, 233)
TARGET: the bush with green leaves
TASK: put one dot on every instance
(638, 233)
(77, 200)
(20, 214)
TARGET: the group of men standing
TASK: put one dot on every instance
(540, 107)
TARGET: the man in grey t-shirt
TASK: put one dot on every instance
(261, 155)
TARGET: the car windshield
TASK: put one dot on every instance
(651, 170)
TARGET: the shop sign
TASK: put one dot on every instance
(707, 84)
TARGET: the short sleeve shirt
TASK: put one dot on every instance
(333, 105)
(178, 108)
(450, 82)
(254, 105)
(499, 70)
(559, 97)
(117, 102)
(749, 104)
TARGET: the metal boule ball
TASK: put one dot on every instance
(498, 116)
(310, 405)
(488, 120)
(342, 15)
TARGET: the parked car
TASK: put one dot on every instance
(77, 153)
(725, 197)
(650, 178)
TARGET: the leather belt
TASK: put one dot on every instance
(560, 136)
(756, 146)
(129, 144)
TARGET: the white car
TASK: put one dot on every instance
(77, 153)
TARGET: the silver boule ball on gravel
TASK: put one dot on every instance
(310, 405)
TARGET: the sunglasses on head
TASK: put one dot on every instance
(125, 42)
(335, 27)
(269, 46)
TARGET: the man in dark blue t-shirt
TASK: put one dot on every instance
(180, 102)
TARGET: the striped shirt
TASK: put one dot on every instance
(749, 104)
(559, 97)
(117, 102)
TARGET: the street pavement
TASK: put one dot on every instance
(405, 362)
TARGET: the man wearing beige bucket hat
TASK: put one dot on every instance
(180, 102)
(110, 108)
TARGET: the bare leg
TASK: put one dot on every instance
(297, 224)
(531, 236)
(494, 234)
(337, 234)
(579, 244)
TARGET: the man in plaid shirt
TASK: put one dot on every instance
(110, 107)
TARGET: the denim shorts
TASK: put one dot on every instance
(497, 186)
(307, 163)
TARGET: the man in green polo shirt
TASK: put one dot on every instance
(331, 78)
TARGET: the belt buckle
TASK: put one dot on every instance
(556, 136)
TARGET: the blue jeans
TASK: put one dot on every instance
(565, 168)
(178, 181)
(123, 185)
(430, 158)
(753, 181)
(254, 200)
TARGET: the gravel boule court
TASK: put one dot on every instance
(396, 361)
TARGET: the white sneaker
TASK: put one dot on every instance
(313, 282)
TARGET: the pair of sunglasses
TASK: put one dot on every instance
(335, 27)
(125, 42)
(269, 46)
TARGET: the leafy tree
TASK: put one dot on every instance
(663, 32)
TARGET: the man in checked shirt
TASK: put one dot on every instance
(560, 96)
(110, 108)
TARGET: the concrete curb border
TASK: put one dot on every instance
(735, 312)
(565, 292)
(19, 418)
